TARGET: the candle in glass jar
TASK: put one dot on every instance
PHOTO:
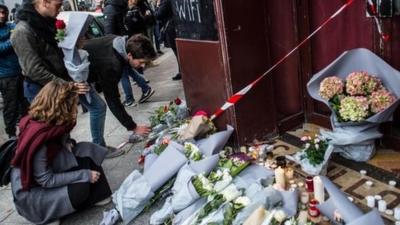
(370, 201)
(312, 208)
(397, 213)
(382, 205)
(309, 184)
(319, 189)
(304, 197)
(280, 177)
(289, 173)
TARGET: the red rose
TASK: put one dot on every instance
(60, 24)
(201, 113)
(178, 101)
(141, 159)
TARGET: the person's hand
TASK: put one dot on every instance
(94, 176)
(82, 88)
(142, 130)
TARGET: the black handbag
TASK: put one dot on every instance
(7, 151)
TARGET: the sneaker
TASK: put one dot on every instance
(113, 152)
(129, 103)
(134, 138)
(110, 217)
(177, 77)
(146, 95)
(103, 202)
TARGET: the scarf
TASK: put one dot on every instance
(44, 27)
(33, 135)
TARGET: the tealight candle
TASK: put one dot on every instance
(351, 199)
(300, 184)
(369, 183)
(382, 205)
(389, 212)
(397, 213)
(392, 183)
(363, 172)
(370, 201)
(378, 197)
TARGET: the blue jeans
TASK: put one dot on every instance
(31, 90)
(126, 84)
(97, 109)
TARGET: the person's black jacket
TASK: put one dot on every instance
(136, 20)
(114, 12)
(165, 14)
(106, 67)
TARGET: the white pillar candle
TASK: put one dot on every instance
(382, 205)
(397, 213)
(280, 177)
(289, 173)
(370, 201)
(319, 190)
(302, 219)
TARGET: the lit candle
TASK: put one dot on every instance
(280, 177)
(370, 201)
(382, 205)
(397, 213)
(302, 219)
(304, 197)
(289, 173)
(319, 191)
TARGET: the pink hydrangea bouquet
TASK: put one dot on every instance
(360, 96)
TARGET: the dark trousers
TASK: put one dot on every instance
(15, 105)
(84, 195)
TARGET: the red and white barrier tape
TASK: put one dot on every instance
(238, 95)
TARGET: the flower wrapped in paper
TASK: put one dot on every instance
(314, 156)
(351, 214)
(184, 193)
(76, 60)
(355, 139)
(131, 198)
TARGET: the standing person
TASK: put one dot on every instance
(52, 176)
(10, 76)
(108, 57)
(137, 20)
(42, 60)
(114, 12)
(165, 14)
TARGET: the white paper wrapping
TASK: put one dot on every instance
(266, 197)
(338, 201)
(165, 166)
(215, 142)
(180, 218)
(290, 199)
(131, 197)
(307, 167)
(356, 140)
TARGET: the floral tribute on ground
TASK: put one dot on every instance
(362, 91)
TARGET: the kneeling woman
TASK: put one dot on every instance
(53, 176)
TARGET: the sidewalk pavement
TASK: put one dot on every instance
(119, 168)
